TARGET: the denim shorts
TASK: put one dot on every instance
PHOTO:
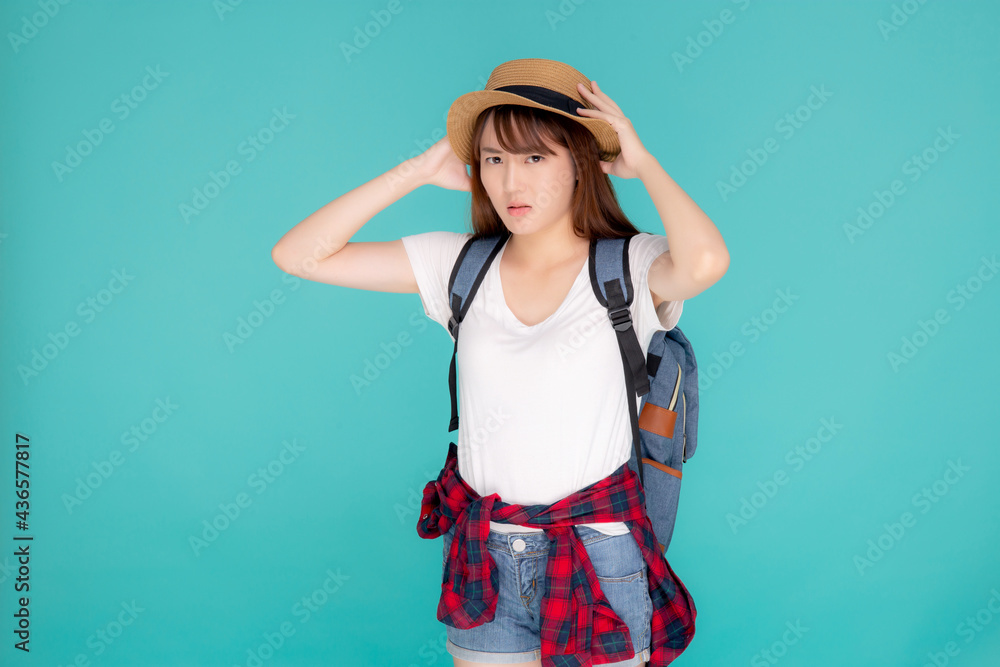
(514, 634)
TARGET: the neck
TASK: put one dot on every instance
(546, 248)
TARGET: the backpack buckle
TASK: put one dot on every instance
(621, 319)
(452, 325)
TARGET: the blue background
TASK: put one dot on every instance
(346, 501)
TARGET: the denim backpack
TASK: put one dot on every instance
(667, 378)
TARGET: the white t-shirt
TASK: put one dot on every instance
(542, 411)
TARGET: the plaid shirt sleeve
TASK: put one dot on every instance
(579, 627)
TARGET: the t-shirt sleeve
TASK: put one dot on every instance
(643, 249)
(432, 256)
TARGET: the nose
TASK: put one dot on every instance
(512, 177)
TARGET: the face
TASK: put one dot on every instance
(544, 182)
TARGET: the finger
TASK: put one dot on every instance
(608, 118)
(594, 112)
(588, 94)
(600, 93)
(607, 102)
(591, 91)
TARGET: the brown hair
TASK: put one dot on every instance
(525, 130)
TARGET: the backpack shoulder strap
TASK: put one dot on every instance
(466, 275)
(612, 283)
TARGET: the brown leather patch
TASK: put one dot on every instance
(664, 468)
(656, 419)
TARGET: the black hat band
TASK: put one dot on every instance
(546, 97)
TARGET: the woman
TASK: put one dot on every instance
(542, 389)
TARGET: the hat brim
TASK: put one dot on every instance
(464, 111)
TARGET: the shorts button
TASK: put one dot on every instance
(519, 545)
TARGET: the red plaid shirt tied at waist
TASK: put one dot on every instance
(579, 627)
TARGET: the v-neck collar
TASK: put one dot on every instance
(509, 314)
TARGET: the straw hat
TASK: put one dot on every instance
(529, 82)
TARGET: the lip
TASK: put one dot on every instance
(517, 204)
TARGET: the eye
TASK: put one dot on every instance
(491, 157)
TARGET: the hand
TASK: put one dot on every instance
(626, 165)
(440, 166)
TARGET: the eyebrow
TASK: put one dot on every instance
(497, 151)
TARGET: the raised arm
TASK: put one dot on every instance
(319, 248)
